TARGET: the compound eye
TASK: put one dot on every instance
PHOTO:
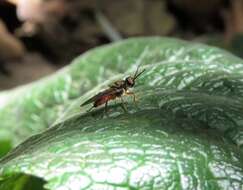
(130, 81)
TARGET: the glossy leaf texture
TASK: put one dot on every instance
(184, 133)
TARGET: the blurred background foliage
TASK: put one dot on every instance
(37, 37)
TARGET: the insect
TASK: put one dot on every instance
(115, 90)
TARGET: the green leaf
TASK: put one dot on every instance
(20, 181)
(185, 133)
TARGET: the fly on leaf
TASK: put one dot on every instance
(115, 90)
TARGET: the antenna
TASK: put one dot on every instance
(137, 75)
(136, 72)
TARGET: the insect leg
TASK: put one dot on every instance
(106, 104)
(90, 109)
(105, 110)
(134, 97)
(124, 107)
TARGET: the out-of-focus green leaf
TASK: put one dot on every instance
(21, 181)
(186, 132)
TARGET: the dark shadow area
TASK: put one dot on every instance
(22, 182)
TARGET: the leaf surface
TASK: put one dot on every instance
(185, 132)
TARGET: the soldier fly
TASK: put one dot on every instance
(115, 90)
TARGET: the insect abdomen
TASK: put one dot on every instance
(103, 100)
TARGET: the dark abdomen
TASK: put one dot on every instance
(103, 100)
(107, 97)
